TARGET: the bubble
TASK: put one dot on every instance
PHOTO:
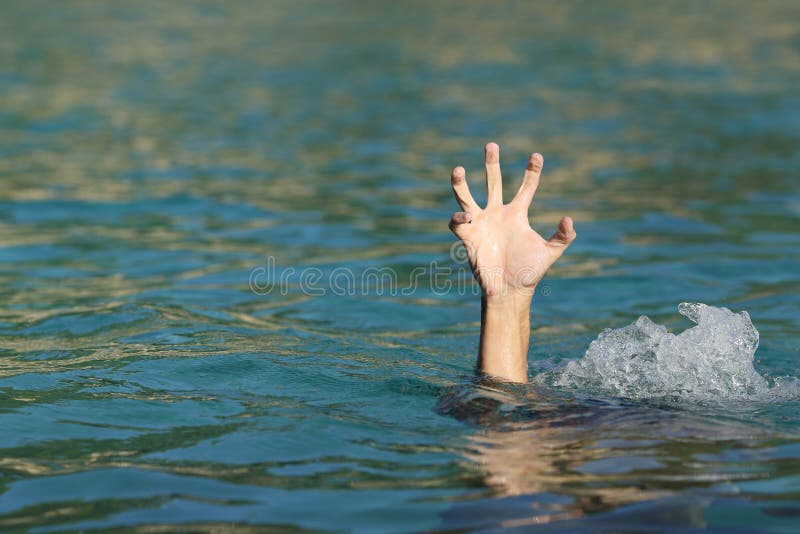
(710, 361)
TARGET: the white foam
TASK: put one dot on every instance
(710, 361)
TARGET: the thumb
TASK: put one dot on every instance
(562, 238)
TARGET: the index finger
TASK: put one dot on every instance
(458, 179)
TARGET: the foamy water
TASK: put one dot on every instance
(710, 361)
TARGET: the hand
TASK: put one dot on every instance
(505, 253)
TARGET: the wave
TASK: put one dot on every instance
(708, 362)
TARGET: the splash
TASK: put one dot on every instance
(710, 361)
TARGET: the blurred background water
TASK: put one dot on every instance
(154, 155)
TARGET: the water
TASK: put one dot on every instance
(711, 362)
(156, 157)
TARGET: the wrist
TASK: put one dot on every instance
(512, 300)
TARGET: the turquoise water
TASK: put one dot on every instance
(156, 158)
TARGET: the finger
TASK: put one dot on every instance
(494, 182)
(458, 221)
(562, 238)
(464, 198)
(530, 181)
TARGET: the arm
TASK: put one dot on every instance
(505, 332)
(508, 258)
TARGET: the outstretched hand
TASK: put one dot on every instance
(505, 253)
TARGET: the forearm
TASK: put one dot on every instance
(505, 334)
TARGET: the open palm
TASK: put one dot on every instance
(505, 253)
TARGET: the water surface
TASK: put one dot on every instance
(155, 155)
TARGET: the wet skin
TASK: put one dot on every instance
(508, 259)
